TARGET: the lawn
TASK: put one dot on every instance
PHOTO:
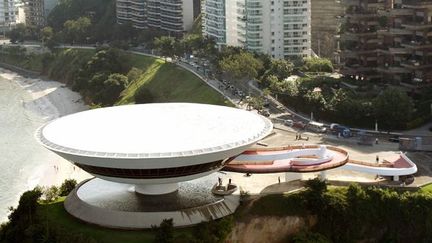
(168, 82)
(427, 188)
(57, 216)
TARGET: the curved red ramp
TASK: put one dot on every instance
(309, 158)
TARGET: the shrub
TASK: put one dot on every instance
(134, 74)
(214, 231)
(51, 193)
(165, 231)
(67, 186)
(315, 64)
(306, 236)
(415, 123)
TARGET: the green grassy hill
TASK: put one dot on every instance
(168, 82)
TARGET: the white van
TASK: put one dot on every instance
(316, 127)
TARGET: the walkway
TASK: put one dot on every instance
(310, 158)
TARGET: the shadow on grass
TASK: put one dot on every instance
(55, 215)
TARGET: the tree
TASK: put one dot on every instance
(242, 66)
(124, 31)
(22, 218)
(67, 186)
(134, 74)
(316, 64)
(108, 61)
(191, 43)
(111, 89)
(165, 45)
(148, 37)
(77, 30)
(255, 102)
(316, 100)
(280, 68)
(50, 193)
(393, 108)
(306, 236)
(17, 34)
(165, 231)
(48, 37)
(314, 194)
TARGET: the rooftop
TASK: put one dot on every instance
(154, 131)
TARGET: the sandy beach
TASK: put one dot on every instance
(51, 100)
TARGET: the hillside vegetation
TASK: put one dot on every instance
(110, 76)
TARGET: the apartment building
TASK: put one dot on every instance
(7, 14)
(34, 12)
(280, 28)
(326, 16)
(174, 16)
(389, 40)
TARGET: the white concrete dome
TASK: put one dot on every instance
(154, 137)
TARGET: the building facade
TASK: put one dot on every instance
(7, 14)
(174, 16)
(280, 28)
(389, 40)
(35, 12)
(326, 16)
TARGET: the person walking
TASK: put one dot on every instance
(377, 159)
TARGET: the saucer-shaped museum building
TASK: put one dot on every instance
(152, 147)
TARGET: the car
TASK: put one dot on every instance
(299, 124)
(288, 122)
(316, 127)
(265, 113)
(394, 139)
(266, 103)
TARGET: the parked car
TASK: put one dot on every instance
(299, 124)
(289, 123)
(265, 113)
(340, 130)
(316, 127)
(266, 103)
(394, 139)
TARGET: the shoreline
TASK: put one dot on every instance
(49, 100)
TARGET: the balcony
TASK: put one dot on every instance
(395, 31)
(417, 5)
(416, 65)
(414, 45)
(349, 54)
(357, 70)
(417, 26)
(398, 51)
(361, 15)
(393, 70)
(396, 12)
